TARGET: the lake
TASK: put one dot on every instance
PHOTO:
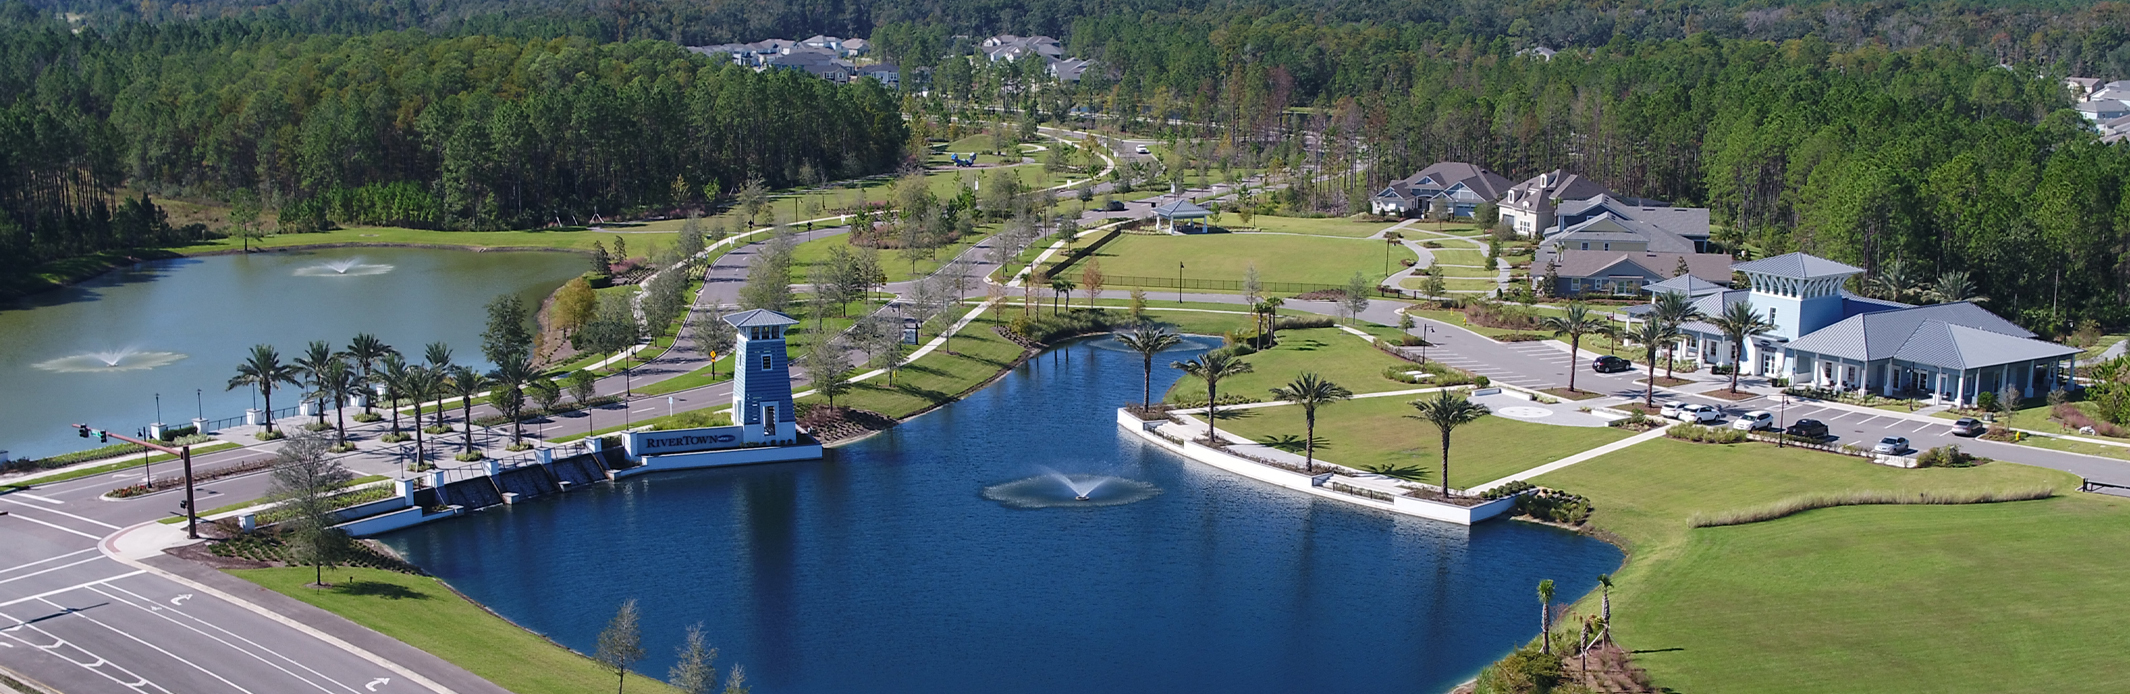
(894, 565)
(188, 322)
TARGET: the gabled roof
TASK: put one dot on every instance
(1706, 266)
(1180, 208)
(1540, 190)
(1906, 334)
(759, 318)
(1797, 266)
(1610, 227)
(1446, 174)
(1690, 222)
(1687, 284)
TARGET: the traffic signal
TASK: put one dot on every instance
(82, 429)
(103, 436)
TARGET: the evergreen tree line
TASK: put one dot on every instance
(405, 129)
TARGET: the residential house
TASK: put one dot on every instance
(887, 73)
(2102, 110)
(1461, 187)
(1578, 273)
(1010, 47)
(1689, 223)
(1528, 207)
(1826, 337)
(819, 64)
(1539, 52)
(1068, 70)
(2081, 86)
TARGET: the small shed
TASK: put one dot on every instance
(1181, 208)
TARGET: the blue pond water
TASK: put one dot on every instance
(886, 569)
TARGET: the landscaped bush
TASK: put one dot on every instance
(1555, 506)
(1522, 337)
(1948, 455)
(1048, 328)
(1501, 316)
(1527, 671)
(1515, 487)
(1439, 374)
(367, 417)
(1412, 341)
(174, 433)
(1302, 322)
(2076, 420)
(598, 280)
(1701, 434)
(1636, 420)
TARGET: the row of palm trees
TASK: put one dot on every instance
(334, 377)
(1447, 410)
(1662, 328)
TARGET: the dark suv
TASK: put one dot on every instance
(1610, 364)
(1808, 429)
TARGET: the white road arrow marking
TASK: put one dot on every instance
(374, 684)
(179, 601)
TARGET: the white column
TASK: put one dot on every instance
(1960, 396)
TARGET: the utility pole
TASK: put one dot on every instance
(184, 453)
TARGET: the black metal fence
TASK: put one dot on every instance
(1216, 285)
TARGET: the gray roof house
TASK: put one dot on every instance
(2102, 110)
(1568, 254)
(1690, 223)
(1010, 47)
(887, 73)
(817, 63)
(1528, 207)
(1463, 187)
(1577, 273)
(1826, 337)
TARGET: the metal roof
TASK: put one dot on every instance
(1684, 284)
(1797, 266)
(759, 318)
(1180, 208)
(1957, 335)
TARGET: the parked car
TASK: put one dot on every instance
(1969, 426)
(1141, 149)
(1114, 206)
(1670, 410)
(1699, 414)
(1891, 445)
(1754, 421)
(1610, 364)
(1808, 429)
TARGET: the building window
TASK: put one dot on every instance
(769, 420)
(765, 362)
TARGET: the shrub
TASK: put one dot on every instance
(1481, 381)
(1948, 455)
(598, 280)
(1431, 244)
(173, 434)
(1438, 373)
(1986, 401)
(1703, 434)
(367, 417)
(1303, 322)
(1527, 671)
(1521, 337)
(2077, 420)
(1046, 328)
(1555, 506)
(1515, 487)
(274, 435)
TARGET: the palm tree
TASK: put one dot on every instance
(1740, 322)
(1447, 411)
(1651, 333)
(1311, 392)
(366, 349)
(1954, 286)
(1267, 314)
(1148, 340)
(1211, 367)
(423, 384)
(336, 381)
(1575, 322)
(312, 365)
(510, 378)
(262, 371)
(1604, 582)
(1675, 309)
(465, 382)
(1063, 288)
(1545, 616)
(392, 371)
(1894, 282)
(438, 355)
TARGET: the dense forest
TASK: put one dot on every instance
(399, 128)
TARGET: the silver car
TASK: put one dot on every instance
(1891, 445)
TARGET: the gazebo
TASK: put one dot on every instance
(1181, 208)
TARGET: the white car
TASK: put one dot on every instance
(1754, 421)
(1698, 414)
(1670, 410)
(1141, 149)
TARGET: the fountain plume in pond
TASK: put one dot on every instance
(128, 359)
(1055, 489)
(346, 267)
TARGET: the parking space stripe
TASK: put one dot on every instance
(159, 649)
(1925, 425)
(55, 526)
(19, 567)
(46, 571)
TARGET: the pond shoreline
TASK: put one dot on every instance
(131, 257)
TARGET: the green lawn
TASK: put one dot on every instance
(1458, 256)
(427, 615)
(1326, 226)
(1330, 352)
(1863, 599)
(1227, 256)
(2105, 342)
(1373, 433)
(939, 377)
(893, 261)
(1452, 283)
(693, 379)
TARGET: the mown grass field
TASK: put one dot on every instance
(1228, 256)
(1994, 597)
(425, 614)
(1374, 433)
(936, 378)
(893, 261)
(1332, 353)
(1321, 226)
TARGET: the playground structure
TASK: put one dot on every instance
(960, 162)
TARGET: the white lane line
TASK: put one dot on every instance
(162, 612)
(27, 495)
(84, 519)
(19, 567)
(54, 526)
(91, 662)
(46, 571)
(77, 586)
(1926, 425)
(159, 649)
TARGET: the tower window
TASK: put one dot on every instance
(765, 362)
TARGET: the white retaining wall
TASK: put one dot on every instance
(724, 458)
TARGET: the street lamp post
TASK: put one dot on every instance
(1179, 282)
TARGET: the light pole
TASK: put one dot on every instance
(1427, 334)
(1179, 282)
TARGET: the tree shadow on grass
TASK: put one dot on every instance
(1230, 414)
(379, 589)
(1292, 444)
(1409, 473)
